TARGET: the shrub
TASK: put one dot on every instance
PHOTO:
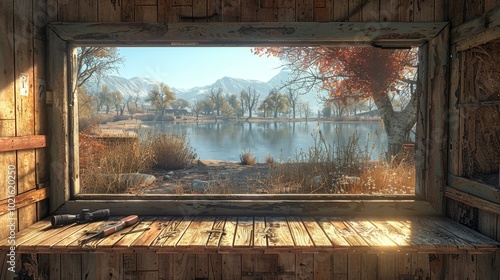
(247, 158)
(170, 151)
(103, 167)
(269, 159)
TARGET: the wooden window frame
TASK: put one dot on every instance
(464, 37)
(430, 37)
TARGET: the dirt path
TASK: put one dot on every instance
(210, 176)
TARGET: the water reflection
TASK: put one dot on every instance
(226, 141)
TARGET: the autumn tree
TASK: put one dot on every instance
(160, 97)
(275, 102)
(358, 73)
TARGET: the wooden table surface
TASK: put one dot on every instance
(203, 234)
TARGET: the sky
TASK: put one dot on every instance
(187, 67)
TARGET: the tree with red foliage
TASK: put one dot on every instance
(358, 73)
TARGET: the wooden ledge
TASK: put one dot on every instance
(200, 234)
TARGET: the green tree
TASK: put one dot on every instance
(161, 97)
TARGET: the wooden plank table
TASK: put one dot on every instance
(210, 234)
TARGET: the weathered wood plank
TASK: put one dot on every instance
(335, 237)
(151, 206)
(128, 10)
(323, 266)
(473, 201)
(216, 233)
(323, 11)
(479, 190)
(112, 239)
(59, 149)
(401, 238)
(196, 235)
(254, 34)
(376, 10)
(227, 240)
(355, 266)
(232, 266)
(166, 266)
(71, 266)
(464, 234)
(244, 232)
(109, 266)
(281, 236)
(67, 11)
(41, 126)
(22, 142)
(178, 227)
(153, 236)
(317, 234)
(340, 10)
(300, 235)
(386, 266)
(23, 200)
(304, 10)
(355, 10)
(261, 233)
(406, 11)
(231, 10)
(87, 10)
(371, 234)
(138, 230)
(165, 11)
(477, 31)
(341, 266)
(147, 261)
(108, 11)
(304, 266)
(146, 14)
(7, 75)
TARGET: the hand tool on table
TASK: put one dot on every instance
(111, 228)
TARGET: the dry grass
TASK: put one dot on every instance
(170, 151)
(340, 169)
(102, 165)
(110, 167)
(247, 158)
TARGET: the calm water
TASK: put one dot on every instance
(226, 141)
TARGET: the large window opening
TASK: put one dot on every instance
(247, 120)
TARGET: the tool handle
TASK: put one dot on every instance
(123, 223)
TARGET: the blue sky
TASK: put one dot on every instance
(187, 67)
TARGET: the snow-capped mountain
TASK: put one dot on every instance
(229, 86)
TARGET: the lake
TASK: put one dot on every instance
(227, 140)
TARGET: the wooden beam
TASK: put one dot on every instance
(437, 118)
(23, 200)
(478, 31)
(203, 206)
(57, 82)
(474, 188)
(22, 143)
(389, 34)
(473, 201)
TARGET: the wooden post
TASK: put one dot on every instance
(59, 141)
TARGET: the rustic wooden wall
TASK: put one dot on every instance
(22, 52)
(23, 114)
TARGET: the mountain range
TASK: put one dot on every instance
(230, 85)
